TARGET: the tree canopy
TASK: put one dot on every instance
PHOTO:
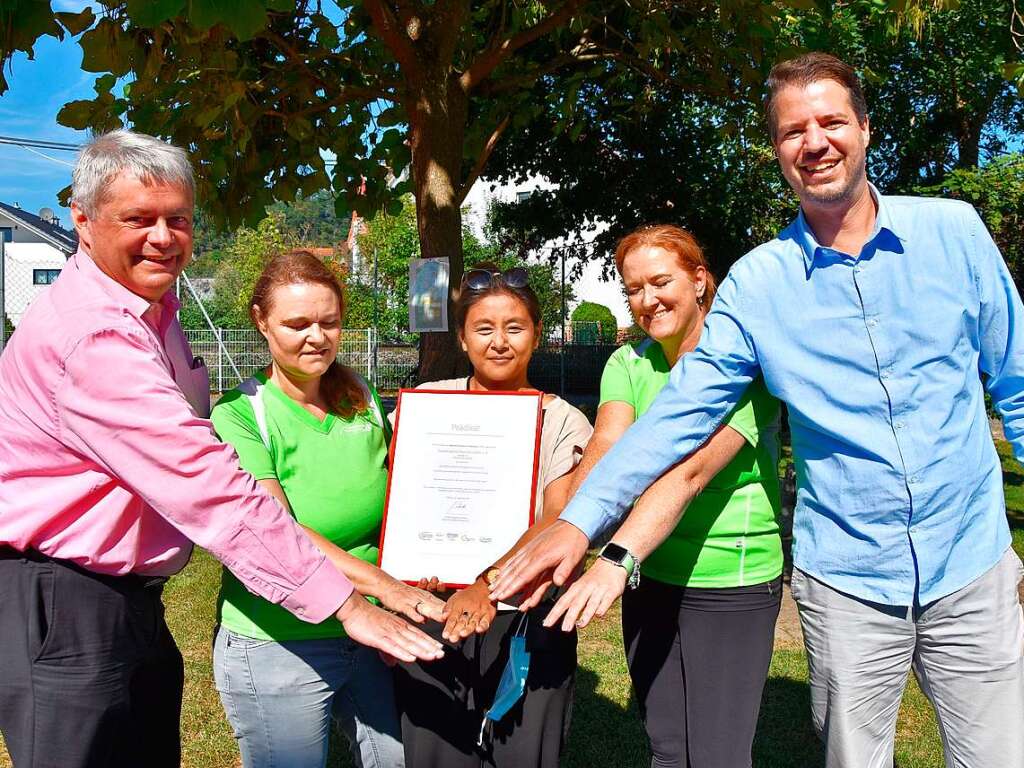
(938, 96)
(406, 94)
(376, 285)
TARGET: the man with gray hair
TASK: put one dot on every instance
(109, 470)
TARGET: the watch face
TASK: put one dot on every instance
(614, 552)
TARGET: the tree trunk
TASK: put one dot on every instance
(969, 143)
(437, 123)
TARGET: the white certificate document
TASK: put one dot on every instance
(461, 488)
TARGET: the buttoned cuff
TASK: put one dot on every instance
(585, 515)
(321, 595)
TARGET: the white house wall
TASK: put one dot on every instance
(20, 258)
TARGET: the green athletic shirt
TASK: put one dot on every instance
(334, 474)
(729, 534)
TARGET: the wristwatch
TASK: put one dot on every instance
(622, 557)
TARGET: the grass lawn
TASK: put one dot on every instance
(605, 726)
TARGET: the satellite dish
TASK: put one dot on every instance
(47, 215)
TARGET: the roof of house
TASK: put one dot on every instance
(52, 233)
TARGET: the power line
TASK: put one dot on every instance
(47, 157)
(40, 144)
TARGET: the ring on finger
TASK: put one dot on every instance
(417, 607)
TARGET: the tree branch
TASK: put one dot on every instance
(293, 55)
(392, 34)
(481, 161)
(491, 59)
(348, 94)
(526, 80)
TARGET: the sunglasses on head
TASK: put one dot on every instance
(482, 279)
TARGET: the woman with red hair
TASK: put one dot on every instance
(699, 623)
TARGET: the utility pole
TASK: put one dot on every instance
(561, 357)
(376, 330)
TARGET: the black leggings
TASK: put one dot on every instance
(699, 659)
(442, 702)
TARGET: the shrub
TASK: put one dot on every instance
(589, 312)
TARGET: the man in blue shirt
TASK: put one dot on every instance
(877, 320)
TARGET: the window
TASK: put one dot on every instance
(522, 197)
(7, 233)
(44, 276)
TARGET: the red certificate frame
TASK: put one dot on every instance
(535, 463)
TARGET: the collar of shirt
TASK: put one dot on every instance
(885, 236)
(157, 315)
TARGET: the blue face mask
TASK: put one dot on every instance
(513, 679)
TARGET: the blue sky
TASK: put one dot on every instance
(28, 110)
(38, 89)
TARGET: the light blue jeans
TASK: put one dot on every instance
(279, 698)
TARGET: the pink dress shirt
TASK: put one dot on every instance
(107, 458)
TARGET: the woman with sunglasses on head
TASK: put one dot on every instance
(699, 626)
(443, 704)
(310, 431)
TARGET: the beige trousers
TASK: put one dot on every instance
(966, 649)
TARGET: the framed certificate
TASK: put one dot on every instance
(462, 485)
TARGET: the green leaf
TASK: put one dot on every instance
(22, 22)
(245, 18)
(327, 33)
(299, 128)
(394, 206)
(76, 23)
(76, 114)
(208, 115)
(391, 116)
(104, 84)
(95, 50)
(1012, 70)
(106, 48)
(151, 13)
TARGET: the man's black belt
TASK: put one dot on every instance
(129, 580)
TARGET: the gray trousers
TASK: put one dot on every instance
(966, 649)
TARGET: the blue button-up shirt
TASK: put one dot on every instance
(880, 358)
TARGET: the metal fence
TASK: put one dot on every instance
(26, 269)
(233, 354)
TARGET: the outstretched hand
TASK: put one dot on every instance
(590, 595)
(548, 559)
(376, 628)
(416, 603)
(469, 610)
(433, 584)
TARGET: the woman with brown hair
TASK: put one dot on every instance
(444, 704)
(311, 432)
(698, 625)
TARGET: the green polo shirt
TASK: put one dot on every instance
(334, 474)
(729, 534)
